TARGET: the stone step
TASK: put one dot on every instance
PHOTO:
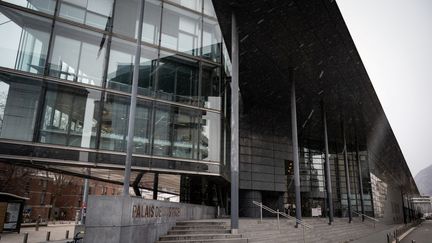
(198, 237)
(229, 240)
(188, 227)
(210, 223)
(199, 231)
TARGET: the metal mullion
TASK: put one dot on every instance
(27, 10)
(41, 102)
(104, 78)
(155, 86)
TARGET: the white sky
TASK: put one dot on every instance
(394, 39)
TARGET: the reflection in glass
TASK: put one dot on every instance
(126, 19)
(114, 123)
(186, 133)
(96, 13)
(208, 8)
(78, 55)
(19, 98)
(181, 30)
(46, 6)
(120, 68)
(210, 136)
(212, 40)
(178, 80)
(190, 4)
(70, 116)
(24, 40)
(210, 87)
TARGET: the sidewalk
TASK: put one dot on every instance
(58, 232)
(378, 237)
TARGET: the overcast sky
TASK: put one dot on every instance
(394, 39)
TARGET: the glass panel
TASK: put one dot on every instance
(185, 134)
(126, 19)
(141, 133)
(96, 13)
(24, 40)
(212, 40)
(210, 87)
(162, 127)
(70, 116)
(178, 80)
(114, 123)
(208, 8)
(78, 55)
(190, 4)
(181, 30)
(120, 68)
(46, 6)
(176, 132)
(210, 131)
(19, 98)
(151, 24)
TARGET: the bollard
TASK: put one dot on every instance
(278, 219)
(413, 241)
(48, 235)
(25, 237)
(388, 238)
(67, 234)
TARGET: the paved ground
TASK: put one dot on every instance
(58, 232)
(422, 234)
(377, 237)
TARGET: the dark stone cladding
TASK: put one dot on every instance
(262, 158)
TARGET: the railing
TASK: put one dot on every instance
(366, 216)
(277, 212)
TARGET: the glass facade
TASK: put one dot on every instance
(66, 74)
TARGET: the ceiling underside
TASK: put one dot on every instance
(310, 38)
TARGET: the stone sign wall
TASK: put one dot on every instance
(114, 219)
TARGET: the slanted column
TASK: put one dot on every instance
(327, 167)
(347, 177)
(234, 127)
(360, 179)
(295, 149)
(132, 108)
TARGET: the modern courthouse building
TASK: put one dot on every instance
(226, 91)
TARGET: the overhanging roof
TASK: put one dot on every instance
(311, 38)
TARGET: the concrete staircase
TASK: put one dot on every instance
(339, 231)
(206, 231)
(251, 230)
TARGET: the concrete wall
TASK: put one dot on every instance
(114, 219)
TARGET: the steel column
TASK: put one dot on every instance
(85, 198)
(327, 167)
(347, 177)
(132, 108)
(155, 186)
(295, 150)
(359, 168)
(234, 127)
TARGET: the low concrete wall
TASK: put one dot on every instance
(115, 219)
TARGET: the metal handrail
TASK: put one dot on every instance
(366, 216)
(369, 217)
(298, 221)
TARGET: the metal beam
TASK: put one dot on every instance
(360, 178)
(132, 108)
(295, 149)
(234, 127)
(135, 184)
(327, 166)
(347, 177)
